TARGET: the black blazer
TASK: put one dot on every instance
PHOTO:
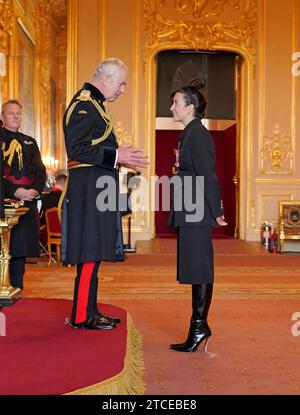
(197, 158)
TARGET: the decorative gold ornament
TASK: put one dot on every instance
(276, 155)
(8, 294)
(13, 203)
(205, 33)
(205, 8)
(122, 135)
(6, 21)
(58, 10)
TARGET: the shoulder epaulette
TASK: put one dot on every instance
(85, 95)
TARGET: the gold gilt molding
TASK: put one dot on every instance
(204, 8)
(252, 215)
(232, 29)
(72, 49)
(42, 54)
(122, 135)
(205, 33)
(6, 23)
(276, 154)
(58, 10)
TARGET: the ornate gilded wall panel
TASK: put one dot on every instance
(277, 110)
(29, 30)
(6, 16)
(225, 25)
(42, 61)
(276, 155)
(207, 25)
(6, 23)
(61, 47)
(26, 79)
(205, 8)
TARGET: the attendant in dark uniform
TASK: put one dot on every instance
(91, 232)
(195, 157)
(24, 179)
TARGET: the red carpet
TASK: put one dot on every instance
(41, 355)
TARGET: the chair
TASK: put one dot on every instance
(289, 225)
(42, 241)
(53, 232)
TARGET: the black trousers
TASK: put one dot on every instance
(85, 292)
(17, 271)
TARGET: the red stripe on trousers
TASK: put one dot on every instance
(83, 291)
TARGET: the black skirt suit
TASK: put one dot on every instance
(195, 258)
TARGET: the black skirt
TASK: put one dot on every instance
(195, 255)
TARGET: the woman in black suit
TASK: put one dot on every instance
(195, 158)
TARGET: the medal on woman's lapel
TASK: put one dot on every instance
(176, 153)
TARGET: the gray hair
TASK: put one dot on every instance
(10, 101)
(109, 67)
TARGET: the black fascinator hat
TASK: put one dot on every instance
(187, 74)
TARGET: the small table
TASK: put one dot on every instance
(8, 294)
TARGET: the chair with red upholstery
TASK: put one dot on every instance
(53, 232)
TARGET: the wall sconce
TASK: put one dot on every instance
(2, 64)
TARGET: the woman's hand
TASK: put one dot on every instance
(221, 221)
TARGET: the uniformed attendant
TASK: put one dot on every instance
(91, 232)
(24, 179)
(195, 158)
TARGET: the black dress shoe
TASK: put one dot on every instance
(91, 324)
(107, 319)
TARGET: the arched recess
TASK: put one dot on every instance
(236, 37)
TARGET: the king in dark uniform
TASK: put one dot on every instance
(24, 179)
(91, 231)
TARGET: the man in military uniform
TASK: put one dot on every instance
(24, 179)
(92, 233)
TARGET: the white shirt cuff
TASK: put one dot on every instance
(116, 159)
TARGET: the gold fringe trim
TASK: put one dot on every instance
(130, 380)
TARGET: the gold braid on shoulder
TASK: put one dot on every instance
(14, 147)
(85, 95)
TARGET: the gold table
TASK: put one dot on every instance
(8, 294)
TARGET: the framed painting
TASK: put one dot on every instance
(289, 223)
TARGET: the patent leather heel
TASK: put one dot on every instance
(205, 347)
(199, 331)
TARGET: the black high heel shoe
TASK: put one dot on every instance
(199, 331)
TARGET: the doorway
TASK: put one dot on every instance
(220, 71)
